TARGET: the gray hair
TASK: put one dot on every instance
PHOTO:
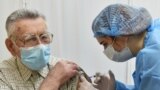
(19, 15)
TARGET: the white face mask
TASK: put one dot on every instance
(122, 56)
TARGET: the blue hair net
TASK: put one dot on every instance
(119, 19)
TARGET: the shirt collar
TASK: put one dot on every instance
(43, 72)
(26, 72)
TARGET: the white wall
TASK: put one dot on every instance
(6, 7)
(70, 22)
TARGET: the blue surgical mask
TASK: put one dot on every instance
(35, 58)
(122, 56)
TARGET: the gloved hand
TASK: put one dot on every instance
(104, 82)
(85, 85)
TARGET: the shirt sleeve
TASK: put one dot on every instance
(122, 86)
(150, 83)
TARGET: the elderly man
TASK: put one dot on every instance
(29, 43)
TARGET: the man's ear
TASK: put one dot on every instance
(10, 46)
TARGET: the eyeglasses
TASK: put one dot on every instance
(30, 40)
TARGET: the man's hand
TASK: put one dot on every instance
(106, 82)
(59, 74)
(85, 85)
(64, 70)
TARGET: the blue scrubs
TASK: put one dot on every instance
(147, 73)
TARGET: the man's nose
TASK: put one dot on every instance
(39, 40)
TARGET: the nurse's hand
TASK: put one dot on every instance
(85, 85)
(105, 82)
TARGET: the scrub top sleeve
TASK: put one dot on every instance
(121, 86)
(150, 83)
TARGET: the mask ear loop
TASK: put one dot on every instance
(126, 44)
(127, 41)
(113, 41)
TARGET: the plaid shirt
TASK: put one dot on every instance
(15, 76)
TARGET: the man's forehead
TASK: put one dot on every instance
(32, 26)
(30, 22)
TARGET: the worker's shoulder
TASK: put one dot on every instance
(154, 25)
(150, 55)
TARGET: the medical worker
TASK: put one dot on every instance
(126, 32)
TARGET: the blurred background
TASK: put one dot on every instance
(70, 21)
